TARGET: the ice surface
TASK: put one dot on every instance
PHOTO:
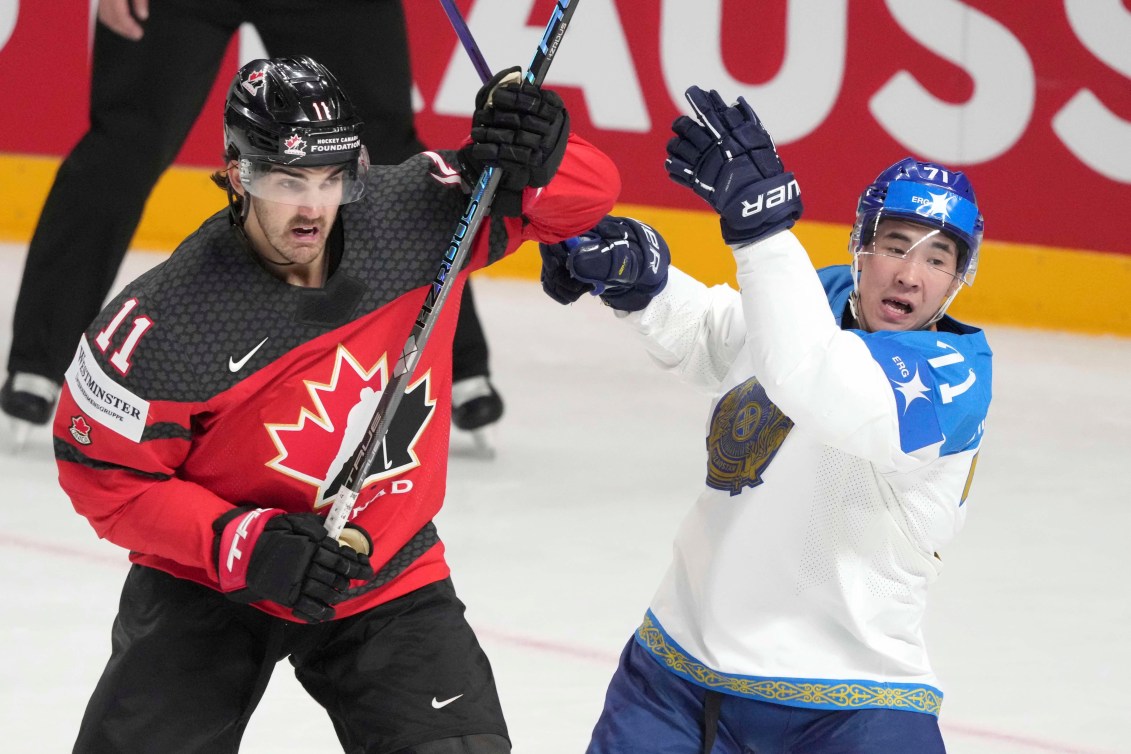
(557, 544)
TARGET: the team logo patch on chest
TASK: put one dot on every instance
(746, 431)
(317, 446)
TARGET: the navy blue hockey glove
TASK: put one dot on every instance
(520, 128)
(287, 558)
(622, 260)
(727, 157)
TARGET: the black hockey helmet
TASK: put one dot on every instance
(292, 112)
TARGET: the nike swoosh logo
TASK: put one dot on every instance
(235, 366)
(445, 703)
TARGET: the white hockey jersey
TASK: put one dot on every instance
(838, 465)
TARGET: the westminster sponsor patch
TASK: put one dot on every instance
(104, 400)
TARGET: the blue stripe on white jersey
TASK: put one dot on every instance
(940, 379)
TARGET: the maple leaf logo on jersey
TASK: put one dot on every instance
(255, 81)
(317, 446)
(80, 430)
(295, 145)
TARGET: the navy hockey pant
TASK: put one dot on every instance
(650, 710)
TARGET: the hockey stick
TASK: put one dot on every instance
(454, 257)
(469, 45)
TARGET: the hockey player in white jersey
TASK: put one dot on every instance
(841, 444)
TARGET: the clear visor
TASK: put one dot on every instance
(930, 249)
(317, 186)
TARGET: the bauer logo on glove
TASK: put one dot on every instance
(772, 198)
(622, 260)
(726, 156)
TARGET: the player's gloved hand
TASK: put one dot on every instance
(517, 127)
(726, 156)
(622, 260)
(287, 558)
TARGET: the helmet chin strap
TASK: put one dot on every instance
(239, 217)
(854, 297)
(276, 264)
(237, 211)
(238, 205)
(945, 305)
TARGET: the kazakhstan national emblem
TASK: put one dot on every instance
(746, 431)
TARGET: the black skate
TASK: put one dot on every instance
(476, 405)
(29, 399)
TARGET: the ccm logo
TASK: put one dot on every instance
(771, 198)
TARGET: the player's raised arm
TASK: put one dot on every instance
(841, 442)
(555, 184)
(799, 350)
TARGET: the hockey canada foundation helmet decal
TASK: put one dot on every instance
(291, 112)
(927, 194)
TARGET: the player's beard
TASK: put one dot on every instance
(296, 236)
(298, 240)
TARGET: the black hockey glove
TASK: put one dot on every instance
(622, 260)
(727, 157)
(520, 128)
(287, 558)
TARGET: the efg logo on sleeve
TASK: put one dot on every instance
(103, 399)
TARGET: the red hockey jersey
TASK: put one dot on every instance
(209, 383)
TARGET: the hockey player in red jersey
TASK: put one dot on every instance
(210, 410)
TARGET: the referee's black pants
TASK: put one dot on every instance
(144, 98)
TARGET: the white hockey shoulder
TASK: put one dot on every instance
(691, 329)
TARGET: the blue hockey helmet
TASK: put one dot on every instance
(928, 194)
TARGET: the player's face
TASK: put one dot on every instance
(293, 224)
(906, 274)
